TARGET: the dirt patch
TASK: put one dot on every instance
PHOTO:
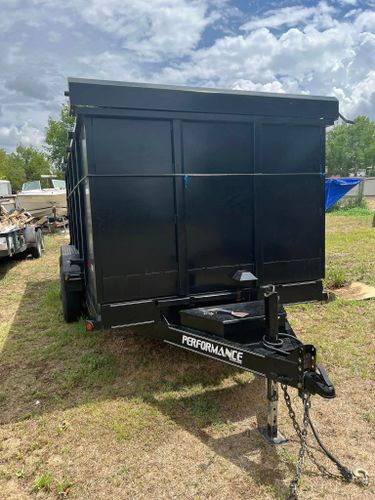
(370, 202)
(356, 291)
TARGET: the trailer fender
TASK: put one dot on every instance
(71, 284)
(30, 234)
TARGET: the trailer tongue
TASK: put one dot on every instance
(262, 342)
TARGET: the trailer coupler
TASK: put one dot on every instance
(318, 383)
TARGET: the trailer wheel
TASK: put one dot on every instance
(71, 302)
(36, 251)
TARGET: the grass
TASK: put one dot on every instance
(112, 415)
(335, 277)
(350, 245)
(351, 212)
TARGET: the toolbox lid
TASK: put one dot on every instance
(222, 320)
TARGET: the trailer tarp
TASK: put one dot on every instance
(337, 188)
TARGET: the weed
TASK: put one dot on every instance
(286, 455)
(223, 427)
(63, 487)
(43, 482)
(335, 278)
(369, 417)
(62, 427)
(20, 456)
(204, 410)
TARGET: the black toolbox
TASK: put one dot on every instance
(223, 320)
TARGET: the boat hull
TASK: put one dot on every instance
(47, 203)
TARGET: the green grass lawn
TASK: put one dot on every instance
(112, 415)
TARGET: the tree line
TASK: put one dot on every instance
(350, 151)
(28, 163)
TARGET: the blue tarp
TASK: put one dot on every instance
(337, 188)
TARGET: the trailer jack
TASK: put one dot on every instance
(271, 432)
(314, 382)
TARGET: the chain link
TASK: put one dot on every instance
(302, 434)
(360, 476)
(297, 428)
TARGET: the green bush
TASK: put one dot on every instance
(349, 204)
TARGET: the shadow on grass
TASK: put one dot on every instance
(7, 263)
(47, 365)
(239, 442)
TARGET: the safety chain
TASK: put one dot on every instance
(302, 433)
(358, 475)
(298, 430)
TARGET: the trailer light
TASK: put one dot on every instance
(89, 326)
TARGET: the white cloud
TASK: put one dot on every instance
(292, 16)
(110, 66)
(279, 17)
(25, 134)
(360, 99)
(365, 21)
(348, 2)
(263, 57)
(320, 48)
(151, 29)
(274, 86)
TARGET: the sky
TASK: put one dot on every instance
(313, 47)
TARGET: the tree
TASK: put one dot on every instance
(56, 138)
(11, 171)
(25, 164)
(33, 162)
(351, 148)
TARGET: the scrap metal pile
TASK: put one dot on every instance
(17, 219)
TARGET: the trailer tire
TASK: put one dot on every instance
(36, 251)
(71, 302)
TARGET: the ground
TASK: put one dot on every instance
(110, 415)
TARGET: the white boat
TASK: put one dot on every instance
(40, 201)
(7, 199)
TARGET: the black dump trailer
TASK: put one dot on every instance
(195, 214)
